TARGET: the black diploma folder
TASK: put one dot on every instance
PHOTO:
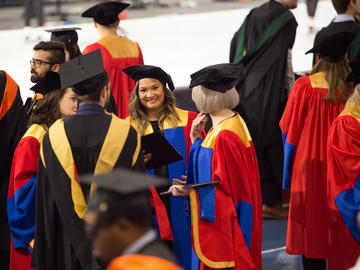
(162, 151)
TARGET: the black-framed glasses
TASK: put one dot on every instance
(38, 62)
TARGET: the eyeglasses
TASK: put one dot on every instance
(38, 62)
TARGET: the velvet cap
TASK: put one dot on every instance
(66, 35)
(139, 72)
(219, 78)
(105, 13)
(332, 43)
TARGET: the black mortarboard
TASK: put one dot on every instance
(80, 69)
(332, 42)
(146, 71)
(124, 181)
(66, 35)
(50, 82)
(105, 13)
(219, 78)
(354, 76)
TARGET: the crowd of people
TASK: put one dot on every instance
(80, 188)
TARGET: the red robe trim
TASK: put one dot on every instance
(344, 187)
(305, 124)
(118, 53)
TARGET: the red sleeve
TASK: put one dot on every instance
(141, 60)
(295, 112)
(344, 149)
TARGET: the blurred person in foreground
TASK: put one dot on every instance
(119, 222)
(152, 109)
(55, 104)
(263, 46)
(90, 141)
(12, 126)
(118, 52)
(314, 103)
(343, 166)
(226, 218)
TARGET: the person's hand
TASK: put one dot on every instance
(147, 157)
(197, 126)
(179, 190)
(106, 112)
(180, 182)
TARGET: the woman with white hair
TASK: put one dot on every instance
(226, 212)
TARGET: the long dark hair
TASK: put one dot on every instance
(138, 113)
(47, 109)
(335, 76)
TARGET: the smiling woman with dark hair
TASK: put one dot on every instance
(152, 109)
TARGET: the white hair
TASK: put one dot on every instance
(207, 100)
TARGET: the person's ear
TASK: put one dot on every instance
(95, 24)
(55, 68)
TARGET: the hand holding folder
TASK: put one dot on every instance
(162, 151)
(207, 183)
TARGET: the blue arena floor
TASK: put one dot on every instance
(273, 247)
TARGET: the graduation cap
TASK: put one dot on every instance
(354, 75)
(139, 72)
(332, 43)
(50, 82)
(219, 78)
(119, 189)
(105, 13)
(82, 70)
(65, 35)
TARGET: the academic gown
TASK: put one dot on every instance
(12, 128)
(343, 161)
(226, 219)
(21, 197)
(305, 125)
(88, 142)
(179, 137)
(261, 45)
(118, 53)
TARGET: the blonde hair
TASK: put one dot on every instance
(208, 101)
(355, 97)
(138, 113)
(335, 76)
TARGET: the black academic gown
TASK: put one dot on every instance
(261, 45)
(12, 127)
(95, 143)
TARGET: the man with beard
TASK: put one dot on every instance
(48, 55)
(263, 46)
(90, 141)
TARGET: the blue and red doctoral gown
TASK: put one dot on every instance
(344, 188)
(226, 219)
(21, 197)
(119, 52)
(305, 125)
(179, 137)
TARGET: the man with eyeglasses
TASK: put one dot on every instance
(48, 55)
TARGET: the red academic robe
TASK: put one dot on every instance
(344, 188)
(226, 219)
(21, 197)
(304, 125)
(118, 53)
